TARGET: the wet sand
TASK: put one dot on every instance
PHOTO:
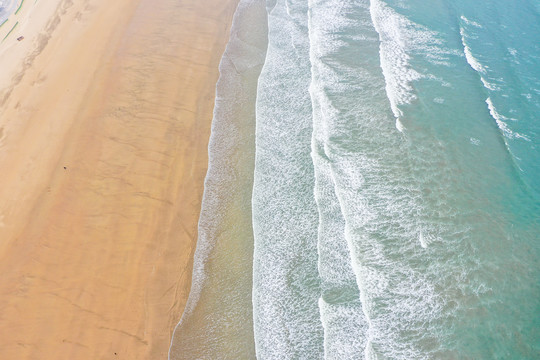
(105, 111)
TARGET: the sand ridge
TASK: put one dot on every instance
(104, 124)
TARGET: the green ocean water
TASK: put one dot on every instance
(373, 188)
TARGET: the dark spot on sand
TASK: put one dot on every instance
(65, 168)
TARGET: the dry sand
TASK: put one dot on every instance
(105, 111)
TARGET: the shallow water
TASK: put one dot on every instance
(7, 7)
(218, 319)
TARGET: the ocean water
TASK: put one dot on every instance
(392, 199)
(7, 7)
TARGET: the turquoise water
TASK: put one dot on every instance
(396, 195)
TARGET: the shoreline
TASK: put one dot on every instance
(218, 318)
(103, 142)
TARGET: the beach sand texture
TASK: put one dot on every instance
(105, 111)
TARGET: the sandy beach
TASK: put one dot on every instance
(105, 112)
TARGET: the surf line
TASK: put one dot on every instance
(19, 8)
(10, 31)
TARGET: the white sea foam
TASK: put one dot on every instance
(438, 100)
(477, 66)
(500, 120)
(344, 322)
(395, 41)
(489, 85)
(399, 125)
(473, 62)
(399, 38)
(474, 141)
(422, 240)
(342, 316)
(286, 285)
(470, 22)
(378, 199)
